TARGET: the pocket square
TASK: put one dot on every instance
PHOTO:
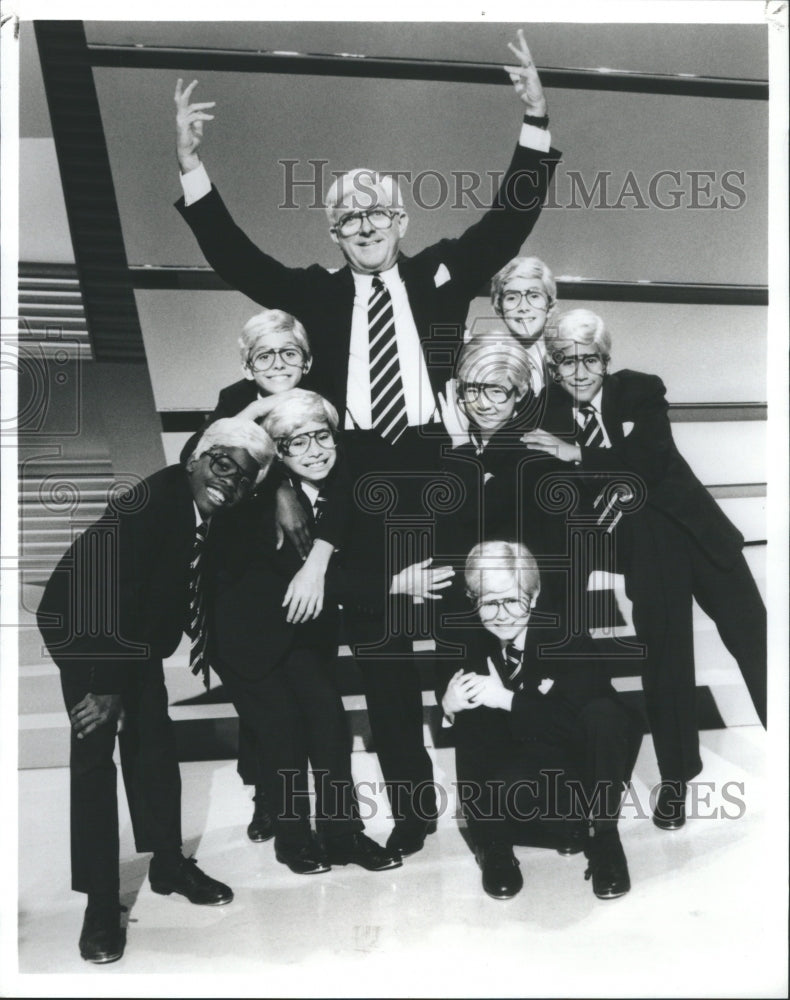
(441, 277)
(628, 426)
(546, 685)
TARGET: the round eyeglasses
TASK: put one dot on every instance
(263, 360)
(299, 444)
(351, 224)
(514, 607)
(534, 296)
(225, 467)
(567, 364)
(470, 392)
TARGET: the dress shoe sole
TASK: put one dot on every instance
(612, 894)
(502, 895)
(166, 890)
(395, 863)
(318, 870)
(669, 824)
(257, 839)
(102, 959)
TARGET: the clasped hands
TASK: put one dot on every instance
(469, 690)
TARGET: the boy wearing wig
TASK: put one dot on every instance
(114, 608)
(679, 546)
(277, 666)
(275, 357)
(542, 743)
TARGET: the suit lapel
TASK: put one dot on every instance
(610, 409)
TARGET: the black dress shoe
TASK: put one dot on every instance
(302, 859)
(188, 880)
(102, 939)
(573, 840)
(501, 876)
(359, 849)
(408, 838)
(670, 809)
(261, 827)
(607, 866)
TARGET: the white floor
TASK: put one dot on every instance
(706, 915)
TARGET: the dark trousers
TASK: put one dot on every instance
(664, 570)
(386, 537)
(296, 714)
(393, 692)
(149, 765)
(249, 767)
(527, 791)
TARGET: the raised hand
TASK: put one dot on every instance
(189, 125)
(525, 78)
(421, 580)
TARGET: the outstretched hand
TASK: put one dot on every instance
(421, 581)
(525, 78)
(189, 125)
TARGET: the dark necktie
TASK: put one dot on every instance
(304, 501)
(387, 400)
(592, 430)
(196, 627)
(511, 669)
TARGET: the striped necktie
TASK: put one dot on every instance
(592, 430)
(387, 400)
(512, 668)
(196, 628)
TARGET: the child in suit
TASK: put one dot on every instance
(275, 357)
(540, 739)
(113, 609)
(678, 546)
(275, 660)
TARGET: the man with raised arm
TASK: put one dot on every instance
(372, 325)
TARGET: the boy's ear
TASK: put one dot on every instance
(307, 366)
(247, 373)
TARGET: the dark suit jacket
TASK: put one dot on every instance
(440, 281)
(578, 679)
(649, 451)
(119, 595)
(249, 633)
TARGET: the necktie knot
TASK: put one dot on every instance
(592, 435)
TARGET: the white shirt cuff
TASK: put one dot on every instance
(196, 184)
(531, 136)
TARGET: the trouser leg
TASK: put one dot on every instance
(328, 741)
(149, 762)
(94, 798)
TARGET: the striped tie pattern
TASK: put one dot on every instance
(196, 627)
(592, 431)
(513, 657)
(387, 400)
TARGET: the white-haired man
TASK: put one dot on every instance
(375, 327)
(114, 608)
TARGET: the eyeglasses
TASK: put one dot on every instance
(300, 443)
(515, 607)
(512, 300)
(263, 360)
(470, 392)
(567, 364)
(225, 467)
(351, 224)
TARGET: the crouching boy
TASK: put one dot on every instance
(114, 608)
(544, 747)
